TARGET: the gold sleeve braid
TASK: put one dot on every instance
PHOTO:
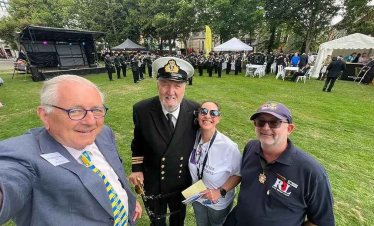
(137, 160)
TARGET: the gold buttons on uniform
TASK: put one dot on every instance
(180, 171)
(163, 159)
(179, 176)
(181, 158)
(163, 172)
(162, 178)
(181, 165)
(162, 166)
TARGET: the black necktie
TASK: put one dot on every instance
(170, 122)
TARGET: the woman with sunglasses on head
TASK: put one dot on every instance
(216, 161)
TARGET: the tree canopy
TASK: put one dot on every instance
(271, 23)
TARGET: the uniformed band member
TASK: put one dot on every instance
(238, 62)
(219, 63)
(134, 67)
(252, 58)
(269, 62)
(149, 64)
(242, 59)
(140, 66)
(210, 64)
(228, 63)
(164, 137)
(122, 60)
(117, 64)
(281, 184)
(259, 58)
(200, 63)
(109, 66)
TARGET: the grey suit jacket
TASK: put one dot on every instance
(37, 193)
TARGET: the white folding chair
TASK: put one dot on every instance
(281, 72)
(260, 72)
(248, 71)
(273, 67)
(309, 73)
(302, 78)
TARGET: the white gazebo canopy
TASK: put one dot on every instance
(233, 44)
(343, 46)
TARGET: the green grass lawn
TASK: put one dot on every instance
(336, 128)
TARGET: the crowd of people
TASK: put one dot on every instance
(69, 172)
(330, 68)
(217, 62)
(214, 63)
(357, 58)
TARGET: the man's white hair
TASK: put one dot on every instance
(49, 94)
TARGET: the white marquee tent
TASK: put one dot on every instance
(343, 46)
(233, 44)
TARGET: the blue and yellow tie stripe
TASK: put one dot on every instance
(119, 212)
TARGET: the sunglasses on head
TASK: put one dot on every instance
(272, 124)
(213, 113)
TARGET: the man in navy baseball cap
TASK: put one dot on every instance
(280, 183)
(276, 109)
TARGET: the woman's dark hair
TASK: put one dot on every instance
(210, 101)
(356, 59)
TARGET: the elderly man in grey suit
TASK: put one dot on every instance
(68, 172)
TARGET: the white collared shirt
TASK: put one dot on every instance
(100, 162)
(175, 114)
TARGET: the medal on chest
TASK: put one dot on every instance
(262, 178)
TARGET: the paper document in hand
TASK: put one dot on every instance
(194, 189)
(192, 198)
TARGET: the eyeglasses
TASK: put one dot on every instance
(272, 124)
(213, 113)
(77, 114)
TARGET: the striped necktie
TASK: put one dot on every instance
(119, 212)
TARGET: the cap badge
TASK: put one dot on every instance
(172, 67)
(270, 106)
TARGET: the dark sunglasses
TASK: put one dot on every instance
(213, 113)
(272, 124)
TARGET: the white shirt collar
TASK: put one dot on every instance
(77, 153)
(174, 113)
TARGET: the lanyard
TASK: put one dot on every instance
(200, 176)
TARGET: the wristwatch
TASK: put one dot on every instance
(223, 192)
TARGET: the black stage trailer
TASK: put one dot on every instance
(56, 51)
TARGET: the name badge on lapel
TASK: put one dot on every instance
(55, 158)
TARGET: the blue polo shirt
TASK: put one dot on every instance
(295, 60)
(296, 186)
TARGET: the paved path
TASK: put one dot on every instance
(6, 64)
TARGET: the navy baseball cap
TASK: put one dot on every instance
(276, 109)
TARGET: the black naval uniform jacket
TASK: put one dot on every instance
(159, 154)
(109, 64)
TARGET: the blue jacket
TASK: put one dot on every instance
(37, 193)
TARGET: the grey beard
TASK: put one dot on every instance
(169, 108)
